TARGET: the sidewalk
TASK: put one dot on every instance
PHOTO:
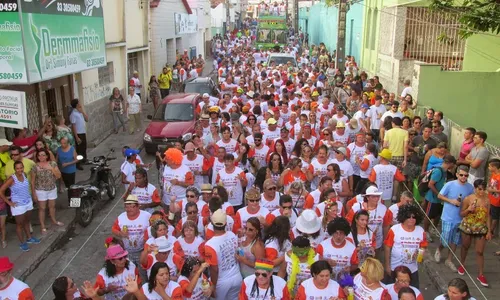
(27, 262)
(440, 275)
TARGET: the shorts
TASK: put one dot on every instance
(398, 161)
(495, 212)
(46, 195)
(21, 209)
(433, 210)
(450, 234)
(4, 212)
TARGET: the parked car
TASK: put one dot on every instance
(173, 118)
(281, 59)
(200, 85)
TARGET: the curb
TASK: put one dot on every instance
(40, 255)
(436, 279)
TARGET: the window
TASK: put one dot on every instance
(106, 74)
(133, 63)
(175, 112)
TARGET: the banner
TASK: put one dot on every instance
(185, 23)
(62, 37)
(13, 109)
(12, 65)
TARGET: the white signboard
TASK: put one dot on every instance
(13, 109)
(185, 23)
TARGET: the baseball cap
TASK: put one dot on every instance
(364, 105)
(130, 152)
(4, 142)
(219, 218)
(206, 95)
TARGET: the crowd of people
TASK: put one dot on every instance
(297, 184)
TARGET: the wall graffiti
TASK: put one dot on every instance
(94, 92)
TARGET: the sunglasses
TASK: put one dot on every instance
(253, 201)
(326, 134)
(463, 175)
(272, 188)
(412, 217)
(257, 140)
(193, 212)
(257, 274)
(191, 196)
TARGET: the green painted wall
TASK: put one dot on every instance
(467, 98)
(482, 53)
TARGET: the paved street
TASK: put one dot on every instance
(82, 255)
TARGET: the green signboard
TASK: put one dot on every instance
(12, 65)
(61, 37)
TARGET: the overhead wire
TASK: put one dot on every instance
(445, 244)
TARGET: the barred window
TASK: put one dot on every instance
(106, 74)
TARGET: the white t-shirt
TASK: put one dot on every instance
(375, 113)
(134, 104)
(231, 181)
(405, 246)
(392, 114)
(128, 169)
(173, 290)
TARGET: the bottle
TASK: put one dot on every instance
(205, 285)
(459, 198)
(420, 256)
(350, 293)
(125, 229)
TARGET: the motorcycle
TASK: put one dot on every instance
(85, 195)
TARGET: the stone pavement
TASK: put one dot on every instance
(440, 275)
(27, 262)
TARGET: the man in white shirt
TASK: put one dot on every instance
(394, 112)
(407, 90)
(136, 83)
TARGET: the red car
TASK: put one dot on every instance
(174, 117)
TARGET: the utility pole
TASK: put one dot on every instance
(296, 16)
(286, 11)
(228, 17)
(341, 35)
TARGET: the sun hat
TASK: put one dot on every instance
(308, 222)
(206, 188)
(340, 124)
(163, 244)
(115, 252)
(372, 191)
(341, 150)
(353, 122)
(386, 153)
(250, 94)
(315, 94)
(131, 199)
(252, 194)
(206, 95)
(271, 121)
(269, 183)
(5, 264)
(4, 142)
(204, 117)
(219, 218)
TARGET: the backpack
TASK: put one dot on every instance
(425, 178)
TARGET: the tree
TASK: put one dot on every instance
(475, 15)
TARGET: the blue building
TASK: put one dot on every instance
(320, 22)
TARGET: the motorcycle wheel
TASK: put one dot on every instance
(111, 188)
(85, 213)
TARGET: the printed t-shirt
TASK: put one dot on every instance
(394, 295)
(119, 280)
(405, 246)
(146, 195)
(242, 215)
(344, 255)
(220, 251)
(16, 289)
(494, 184)
(308, 290)
(304, 271)
(135, 228)
(182, 174)
(377, 220)
(231, 181)
(197, 293)
(194, 249)
(274, 251)
(280, 290)
(173, 290)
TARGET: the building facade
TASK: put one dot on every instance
(176, 27)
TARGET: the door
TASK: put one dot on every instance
(51, 99)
